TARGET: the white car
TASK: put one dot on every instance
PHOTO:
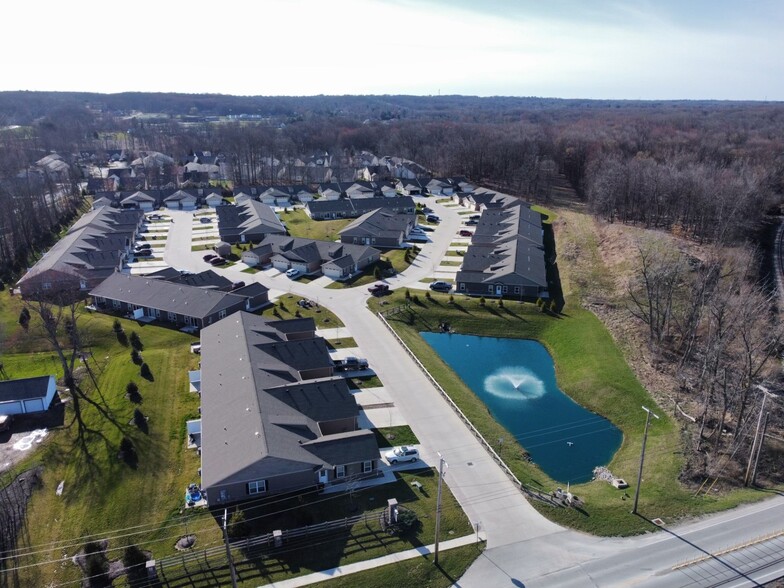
(292, 273)
(399, 454)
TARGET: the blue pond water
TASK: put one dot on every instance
(515, 378)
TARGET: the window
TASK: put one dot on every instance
(490, 288)
(116, 303)
(367, 467)
(221, 314)
(517, 290)
(462, 285)
(257, 487)
(340, 471)
(46, 285)
(83, 284)
(172, 316)
(506, 289)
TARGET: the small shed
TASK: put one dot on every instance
(223, 249)
(27, 395)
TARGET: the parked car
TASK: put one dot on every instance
(402, 453)
(427, 228)
(433, 218)
(209, 257)
(379, 289)
(472, 222)
(292, 273)
(427, 210)
(205, 219)
(475, 217)
(236, 285)
(142, 252)
(440, 286)
(465, 233)
(350, 364)
(417, 238)
(217, 261)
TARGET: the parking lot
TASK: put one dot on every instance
(152, 239)
(204, 229)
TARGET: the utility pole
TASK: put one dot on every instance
(754, 443)
(441, 464)
(759, 449)
(228, 549)
(642, 457)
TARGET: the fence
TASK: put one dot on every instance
(265, 540)
(532, 492)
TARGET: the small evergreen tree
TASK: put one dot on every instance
(136, 343)
(238, 525)
(135, 562)
(482, 301)
(145, 372)
(136, 357)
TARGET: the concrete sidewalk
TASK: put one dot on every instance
(375, 563)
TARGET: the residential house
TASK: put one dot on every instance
(247, 222)
(506, 258)
(139, 200)
(241, 197)
(101, 202)
(178, 303)
(27, 395)
(180, 200)
(213, 200)
(380, 228)
(361, 189)
(439, 187)
(411, 187)
(274, 420)
(353, 208)
(93, 248)
(331, 191)
(335, 260)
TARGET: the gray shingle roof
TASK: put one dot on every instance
(259, 419)
(24, 388)
(250, 218)
(380, 223)
(310, 250)
(165, 296)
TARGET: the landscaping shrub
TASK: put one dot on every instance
(500, 303)
(24, 318)
(136, 343)
(408, 294)
(238, 526)
(136, 357)
(127, 452)
(407, 521)
(96, 565)
(135, 562)
(132, 392)
(146, 373)
(116, 326)
(482, 301)
(377, 273)
(427, 294)
(451, 299)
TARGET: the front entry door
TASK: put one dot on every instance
(323, 476)
(498, 290)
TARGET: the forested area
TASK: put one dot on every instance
(709, 173)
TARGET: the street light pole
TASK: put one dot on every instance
(642, 457)
(441, 464)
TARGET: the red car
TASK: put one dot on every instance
(465, 233)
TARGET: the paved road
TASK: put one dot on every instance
(524, 548)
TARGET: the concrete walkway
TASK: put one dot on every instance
(375, 563)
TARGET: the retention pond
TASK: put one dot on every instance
(515, 378)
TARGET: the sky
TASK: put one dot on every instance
(603, 49)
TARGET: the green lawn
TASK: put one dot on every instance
(551, 216)
(341, 343)
(286, 307)
(391, 258)
(394, 436)
(101, 492)
(421, 571)
(364, 540)
(299, 224)
(591, 369)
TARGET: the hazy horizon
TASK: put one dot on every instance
(605, 50)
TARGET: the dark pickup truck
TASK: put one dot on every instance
(350, 364)
(379, 289)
